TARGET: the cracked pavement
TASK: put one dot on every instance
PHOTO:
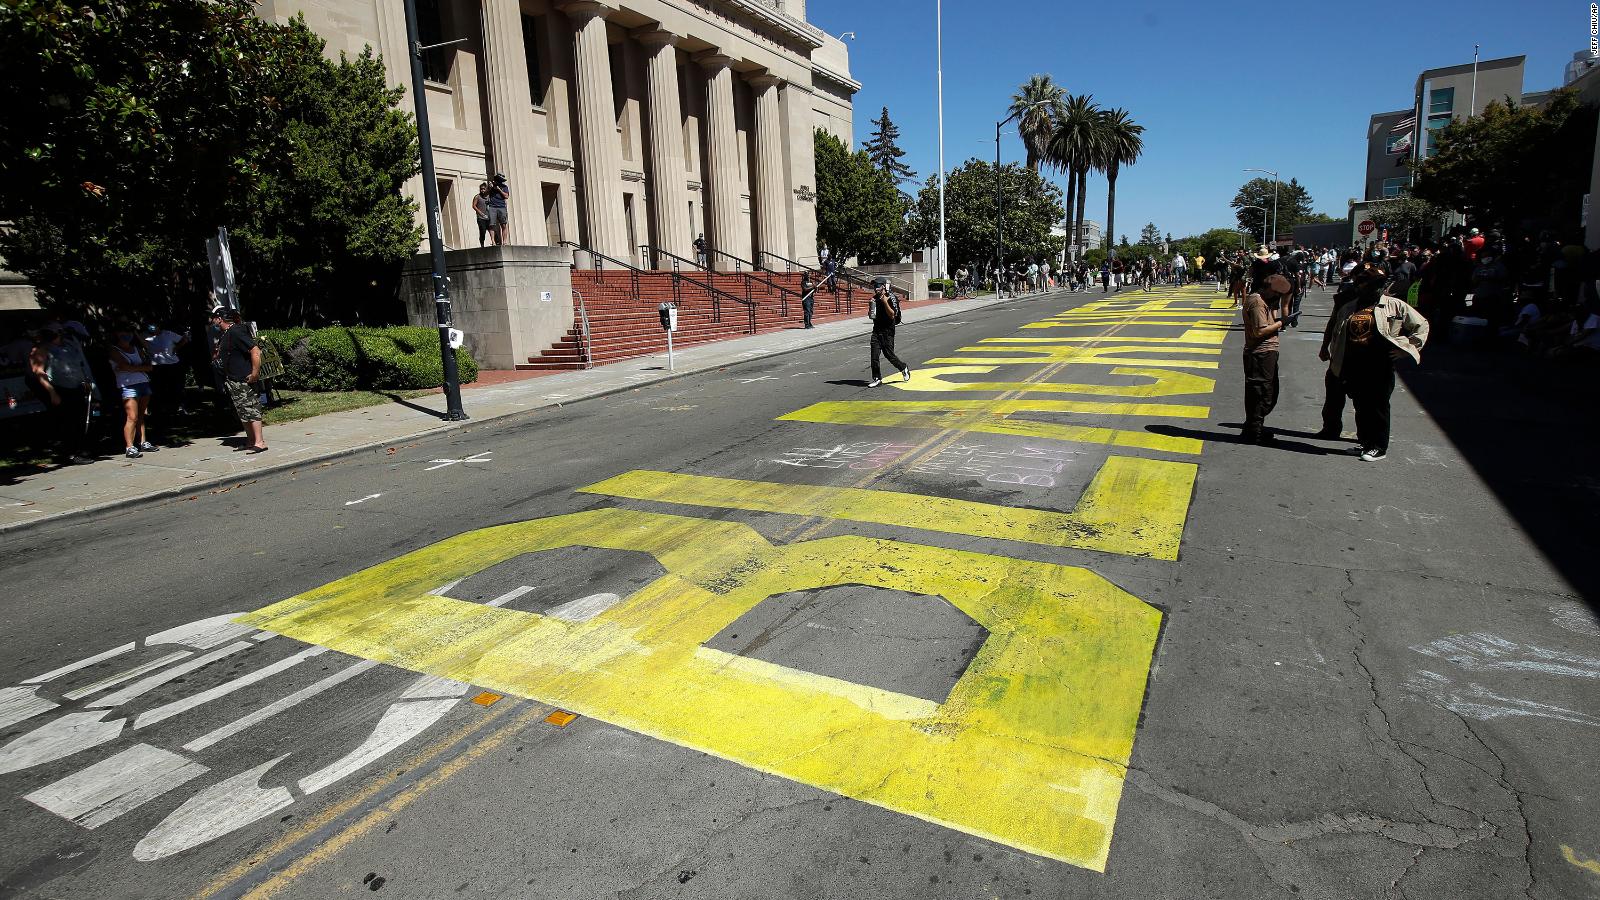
(1372, 681)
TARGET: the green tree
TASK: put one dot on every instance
(1123, 142)
(1150, 234)
(1407, 217)
(142, 126)
(1032, 208)
(1294, 204)
(1516, 167)
(860, 211)
(1038, 106)
(883, 148)
(132, 130)
(1075, 147)
(331, 227)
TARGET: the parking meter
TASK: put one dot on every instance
(669, 324)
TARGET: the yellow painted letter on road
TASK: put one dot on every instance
(1029, 749)
(1171, 357)
(1133, 507)
(1161, 383)
(992, 417)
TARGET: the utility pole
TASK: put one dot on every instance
(430, 199)
(938, 11)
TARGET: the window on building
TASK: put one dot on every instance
(531, 31)
(1442, 101)
(1430, 146)
(1394, 187)
(436, 63)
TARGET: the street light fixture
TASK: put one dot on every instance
(1274, 201)
(1263, 222)
(999, 195)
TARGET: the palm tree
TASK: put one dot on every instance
(1075, 147)
(1122, 145)
(1038, 105)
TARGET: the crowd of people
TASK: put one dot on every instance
(127, 382)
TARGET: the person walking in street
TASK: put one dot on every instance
(480, 209)
(499, 215)
(1105, 277)
(885, 316)
(241, 371)
(1334, 397)
(1178, 267)
(1364, 338)
(1262, 325)
(61, 378)
(132, 369)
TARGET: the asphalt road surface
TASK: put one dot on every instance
(1030, 624)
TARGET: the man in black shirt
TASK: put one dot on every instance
(885, 316)
(241, 372)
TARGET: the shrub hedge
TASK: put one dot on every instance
(401, 357)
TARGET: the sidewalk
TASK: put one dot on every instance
(59, 494)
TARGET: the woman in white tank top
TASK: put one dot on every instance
(133, 383)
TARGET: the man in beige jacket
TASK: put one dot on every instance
(1363, 340)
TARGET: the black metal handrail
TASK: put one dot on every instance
(715, 294)
(739, 263)
(633, 272)
(789, 265)
(676, 259)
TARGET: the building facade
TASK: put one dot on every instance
(619, 126)
(1438, 96)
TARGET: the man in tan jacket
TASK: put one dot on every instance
(1363, 340)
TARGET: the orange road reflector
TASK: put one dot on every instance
(560, 718)
(488, 698)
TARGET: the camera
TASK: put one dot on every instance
(499, 178)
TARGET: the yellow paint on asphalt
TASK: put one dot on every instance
(992, 417)
(1054, 692)
(1162, 383)
(1133, 507)
(1572, 857)
(1191, 336)
(1115, 355)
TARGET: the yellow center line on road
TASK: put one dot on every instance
(342, 838)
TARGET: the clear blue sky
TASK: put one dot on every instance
(1195, 74)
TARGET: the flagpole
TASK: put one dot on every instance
(1474, 107)
(944, 264)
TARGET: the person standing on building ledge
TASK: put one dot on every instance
(885, 312)
(480, 210)
(499, 217)
(1261, 328)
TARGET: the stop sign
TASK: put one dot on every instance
(1366, 227)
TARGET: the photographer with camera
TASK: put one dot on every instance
(499, 219)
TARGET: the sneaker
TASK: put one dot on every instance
(875, 382)
(132, 453)
(148, 447)
(905, 374)
(1372, 454)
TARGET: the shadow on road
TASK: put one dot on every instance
(1530, 429)
(1233, 437)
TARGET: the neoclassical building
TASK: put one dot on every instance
(618, 125)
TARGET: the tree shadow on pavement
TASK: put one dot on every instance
(1529, 427)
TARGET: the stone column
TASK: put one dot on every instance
(511, 139)
(599, 147)
(669, 201)
(728, 233)
(771, 206)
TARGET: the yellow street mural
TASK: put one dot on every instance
(1134, 507)
(992, 417)
(1029, 748)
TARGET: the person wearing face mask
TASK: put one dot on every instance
(132, 368)
(1363, 340)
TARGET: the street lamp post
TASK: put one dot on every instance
(999, 196)
(938, 11)
(1274, 202)
(1263, 222)
(430, 199)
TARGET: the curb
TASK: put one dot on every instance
(274, 468)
